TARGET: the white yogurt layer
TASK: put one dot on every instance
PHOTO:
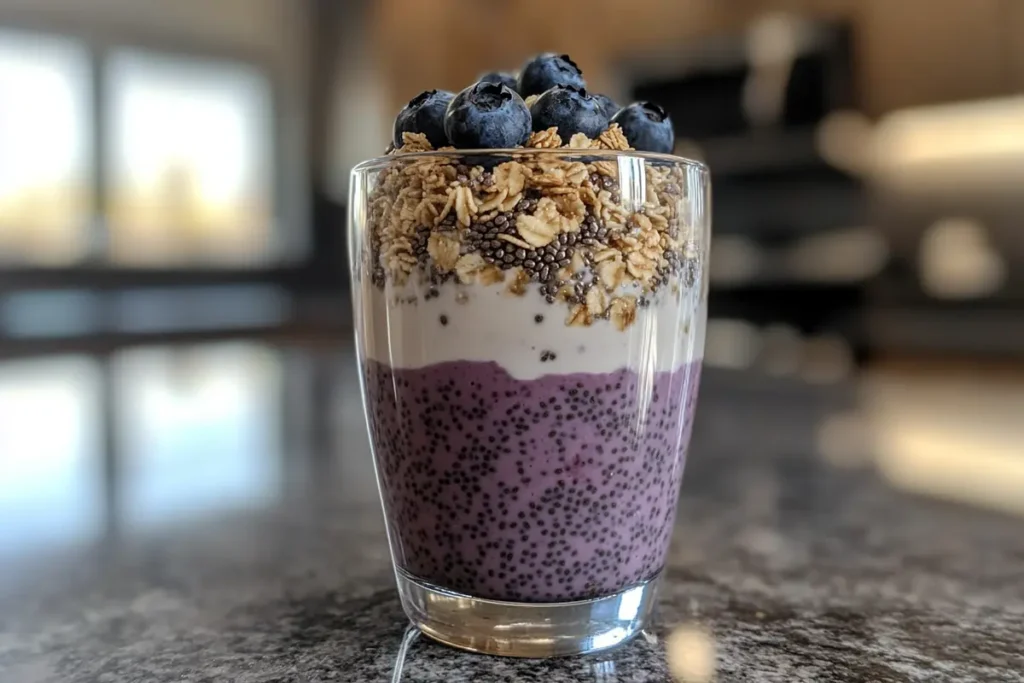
(404, 329)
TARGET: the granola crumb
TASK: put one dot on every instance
(518, 285)
(545, 139)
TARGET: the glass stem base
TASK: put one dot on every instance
(522, 629)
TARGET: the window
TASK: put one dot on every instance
(186, 145)
(189, 162)
(45, 138)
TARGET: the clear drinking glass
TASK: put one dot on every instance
(529, 326)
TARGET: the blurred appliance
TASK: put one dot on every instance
(787, 223)
(947, 182)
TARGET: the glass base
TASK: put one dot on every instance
(523, 629)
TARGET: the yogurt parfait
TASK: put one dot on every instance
(528, 275)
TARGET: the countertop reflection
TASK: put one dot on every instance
(210, 514)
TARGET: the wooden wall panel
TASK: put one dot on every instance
(915, 52)
(909, 52)
(445, 43)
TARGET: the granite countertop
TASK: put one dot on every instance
(796, 570)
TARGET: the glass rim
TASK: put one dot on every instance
(380, 162)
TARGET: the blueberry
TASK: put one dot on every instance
(424, 114)
(487, 116)
(547, 70)
(572, 110)
(610, 106)
(647, 127)
(503, 77)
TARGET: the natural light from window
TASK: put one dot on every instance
(190, 170)
(44, 149)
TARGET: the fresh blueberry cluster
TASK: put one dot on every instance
(493, 114)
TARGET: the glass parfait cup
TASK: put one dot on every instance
(529, 328)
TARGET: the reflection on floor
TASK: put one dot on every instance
(946, 432)
(190, 431)
(956, 437)
(50, 452)
(198, 428)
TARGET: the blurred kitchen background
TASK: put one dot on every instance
(174, 315)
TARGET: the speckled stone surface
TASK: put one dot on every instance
(800, 571)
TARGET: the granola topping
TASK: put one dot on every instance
(555, 223)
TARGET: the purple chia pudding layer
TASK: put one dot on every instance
(551, 489)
